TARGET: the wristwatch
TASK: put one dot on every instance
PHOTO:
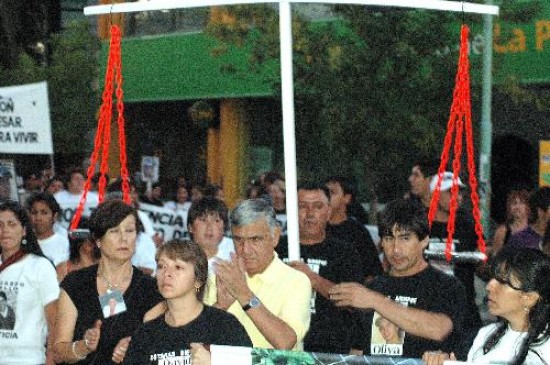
(254, 303)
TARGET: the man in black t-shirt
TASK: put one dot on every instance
(326, 261)
(342, 226)
(424, 303)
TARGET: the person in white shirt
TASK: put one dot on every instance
(30, 288)
(69, 199)
(208, 220)
(44, 212)
(182, 201)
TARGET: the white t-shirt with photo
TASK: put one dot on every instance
(29, 284)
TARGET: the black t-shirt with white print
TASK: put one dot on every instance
(157, 343)
(337, 261)
(430, 290)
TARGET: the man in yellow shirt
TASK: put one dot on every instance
(268, 297)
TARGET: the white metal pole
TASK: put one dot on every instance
(289, 137)
(139, 6)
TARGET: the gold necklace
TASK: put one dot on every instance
(110, 285)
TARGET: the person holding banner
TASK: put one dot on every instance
(86, 334)
(180, 335)
(69, 199)
(181, 202)
(29, 286)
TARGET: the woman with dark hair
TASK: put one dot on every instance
(54, 185)
(517, 218)
(44, 213)
(179, 334)
(30, 286)
(82, 253)
(519, 295)
(181, 202)
(102, 305)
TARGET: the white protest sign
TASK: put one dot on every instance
(25, 119)
(170, 224)
(69, 203)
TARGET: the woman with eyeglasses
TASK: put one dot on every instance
(519, 295)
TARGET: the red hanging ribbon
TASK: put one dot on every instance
(460, 118)
(103, 136)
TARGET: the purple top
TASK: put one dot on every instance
(525, 238)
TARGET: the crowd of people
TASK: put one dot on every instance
(115, 291)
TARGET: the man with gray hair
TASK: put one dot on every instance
(268, 297)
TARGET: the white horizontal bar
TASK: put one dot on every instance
(464, 256)
(180, 4)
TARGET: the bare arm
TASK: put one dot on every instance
(154, 312)
(64, 331)
(279, 334)
(498, 239)
(61, 271)
(50, 310)
(421, 323)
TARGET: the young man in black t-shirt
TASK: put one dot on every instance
(346, 228)
(421, 301)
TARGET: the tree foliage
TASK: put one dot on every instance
(373, 85)
(372, 92)
(71, 73)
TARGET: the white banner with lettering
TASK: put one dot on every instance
(25, 119)
(169, 223)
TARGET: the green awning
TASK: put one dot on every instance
(182, 67)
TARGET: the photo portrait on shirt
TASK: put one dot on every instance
(7, 314)
(387, 338)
